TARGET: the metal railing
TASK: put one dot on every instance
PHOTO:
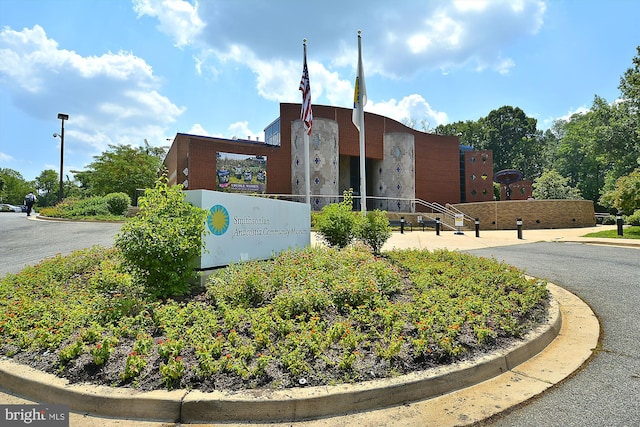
(447, 214)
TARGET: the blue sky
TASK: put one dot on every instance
(130, 70)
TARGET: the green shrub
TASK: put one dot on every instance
(374, 230)
(97, 207)
(161, 244)
(117, 203)
(93, 206)
(633, 219)
(337, 222)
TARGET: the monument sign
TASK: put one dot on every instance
(246, 228)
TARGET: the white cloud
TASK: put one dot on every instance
(33, 62)
(402, 41)
(240, 130)
(107, 97)
(5, 157)
(197, 129)
(410, 109)
(178, 19)
(580, 110)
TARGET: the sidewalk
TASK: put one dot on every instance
(489, 238)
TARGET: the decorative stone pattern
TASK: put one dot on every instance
(393, 176)
(535, 214)
(323, 159)
(478, 178)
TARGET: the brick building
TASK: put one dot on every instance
(402, 164)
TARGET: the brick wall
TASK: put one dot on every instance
(535, 214)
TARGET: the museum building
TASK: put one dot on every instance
(402, 164)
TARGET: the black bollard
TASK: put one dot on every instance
(519, 224)
(477, 227)
(401, 225)
(437, 226)
(619, 222)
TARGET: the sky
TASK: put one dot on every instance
(126, 71)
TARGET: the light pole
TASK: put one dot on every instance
(62, 118)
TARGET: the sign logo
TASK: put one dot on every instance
(218, 220)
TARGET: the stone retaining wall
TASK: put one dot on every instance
(535, 214)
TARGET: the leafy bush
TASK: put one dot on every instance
(117, 203)
(625, 196)
(93, 206)
(161, 244)
(336, 222)
(633, 219)
(552, 185)
(374, 230)
(97, 207)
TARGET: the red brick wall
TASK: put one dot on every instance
(478, 165)
(437, 175)
(198, 154)
(520, 190)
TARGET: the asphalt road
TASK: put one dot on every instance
(607, 391)
(26, 241)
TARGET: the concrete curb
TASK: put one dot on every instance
(277, 405)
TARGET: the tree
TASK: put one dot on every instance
(47, 184)
(576, 159)
(514, 139)
(630, 85)
(469, 132)
(511, 135)
(122, 168)
(14, 187)
(552, 185)
(625, 196)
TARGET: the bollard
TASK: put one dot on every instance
(619, 222)
(401, 225)
(437, 226)
(477, 227)
(519, 224)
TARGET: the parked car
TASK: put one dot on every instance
(5, 207)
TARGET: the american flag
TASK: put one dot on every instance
(305, 114)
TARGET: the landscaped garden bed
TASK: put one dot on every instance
(317, 316)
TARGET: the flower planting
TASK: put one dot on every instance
(316, 316)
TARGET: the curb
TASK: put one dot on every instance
(277, 405)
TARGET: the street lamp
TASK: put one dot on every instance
(62, 118)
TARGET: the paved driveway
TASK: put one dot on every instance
(607, 391)
(26, 241)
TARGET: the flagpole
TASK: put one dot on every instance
(363, 178)
(307, 163)
(305, 137)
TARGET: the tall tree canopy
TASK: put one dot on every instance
(48, 184)
(13, 187)
(511, 135)
(122, 168)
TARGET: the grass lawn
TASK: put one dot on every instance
(317, 316)
(632, 232)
